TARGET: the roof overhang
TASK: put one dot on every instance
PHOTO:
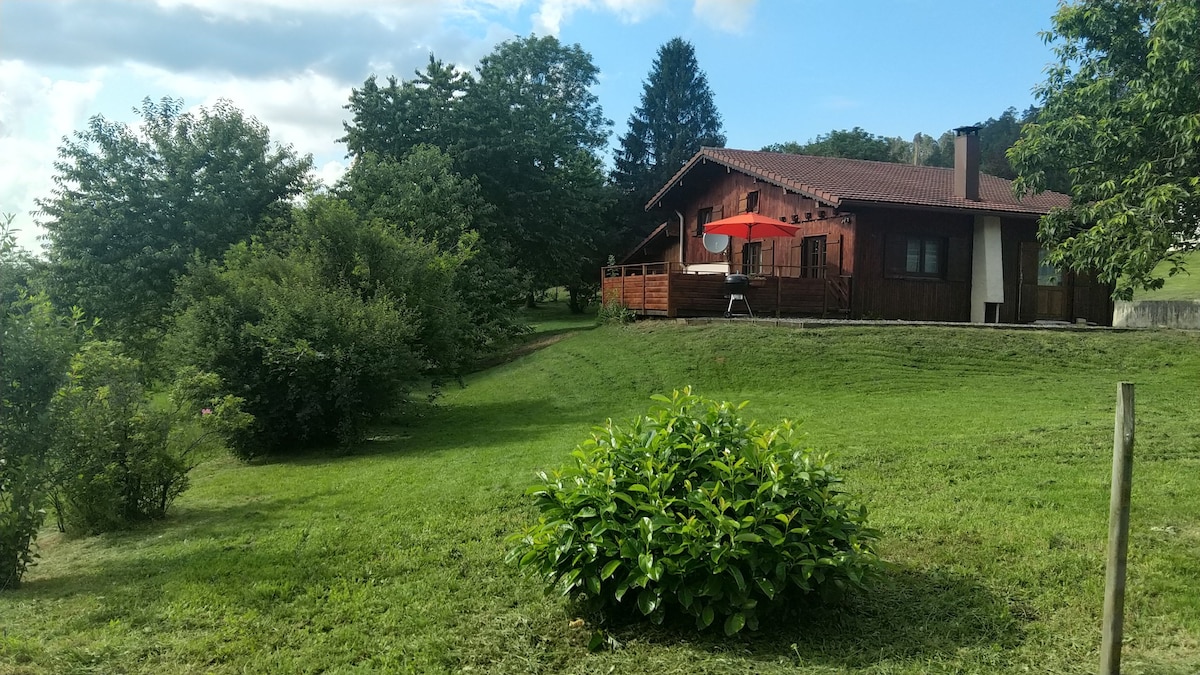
(983, 209)
(714, 156)
(660, 231)
(705, 156)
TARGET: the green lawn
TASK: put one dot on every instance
(984, 456)
(554, 316)
(1185, 286)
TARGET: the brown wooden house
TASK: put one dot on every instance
(875, 240)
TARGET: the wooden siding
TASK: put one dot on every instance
(725, 193)
(880, 296)
(1083, 297)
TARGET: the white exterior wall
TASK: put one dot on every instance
(987, 266)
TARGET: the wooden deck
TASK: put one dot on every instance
(666, 289)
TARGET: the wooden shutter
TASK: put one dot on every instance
(895, 250)
(958, 259)
(741, 208)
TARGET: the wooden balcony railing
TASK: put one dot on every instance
(670, 289)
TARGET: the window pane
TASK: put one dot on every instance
(703, 217)
(752, 258)
(912, 261)
(933, 249)
(1048, 275)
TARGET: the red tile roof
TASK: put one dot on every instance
(855, 181)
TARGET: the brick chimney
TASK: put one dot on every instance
(966, 163)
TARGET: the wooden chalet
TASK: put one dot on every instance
(875, 241)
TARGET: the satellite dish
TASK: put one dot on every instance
(716, 243)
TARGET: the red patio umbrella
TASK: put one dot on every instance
(749, 225)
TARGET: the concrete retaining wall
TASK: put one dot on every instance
(1157, 314)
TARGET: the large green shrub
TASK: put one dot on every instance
(35, 345)
(314, 359)
(118, 457)
(692, 509)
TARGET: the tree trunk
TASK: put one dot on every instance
(576, 303)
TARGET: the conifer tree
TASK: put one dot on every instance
(675, 118)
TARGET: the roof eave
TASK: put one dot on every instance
(981, 211)
(707, 154)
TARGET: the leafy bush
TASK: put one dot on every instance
(118, 458)
(691, 509)
(612, 311)
(314, 360)
(421, 196)
(35, 345)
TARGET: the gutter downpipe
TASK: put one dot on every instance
(682, 241)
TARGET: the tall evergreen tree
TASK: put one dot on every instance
(675, 118)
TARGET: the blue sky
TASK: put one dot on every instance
(780, 70)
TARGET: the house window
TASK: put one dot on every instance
(703, 217)
(924, 256)
(812, 257)
(751, 202)
(752, 258)
(915, 256)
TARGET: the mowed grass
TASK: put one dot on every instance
(554, 316)
(1183, 286)
(984, 456)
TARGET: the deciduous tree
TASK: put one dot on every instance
(422, 196)
(393, 119)
(536, 130)
(1121, 115)
(854, 143)
(133, 204)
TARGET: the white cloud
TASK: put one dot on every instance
(329, 172)
(552, 14)
(36, 111)
(732, 16)
(388, 11)
(304, 109)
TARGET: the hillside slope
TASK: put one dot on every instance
(984, 456)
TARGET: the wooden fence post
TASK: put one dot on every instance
(1112, 627)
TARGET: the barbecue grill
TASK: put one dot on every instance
(737, 285)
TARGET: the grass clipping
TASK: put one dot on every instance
(692, 510)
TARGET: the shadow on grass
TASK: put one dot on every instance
(436, 428)
(157, 539)
(910, 615)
